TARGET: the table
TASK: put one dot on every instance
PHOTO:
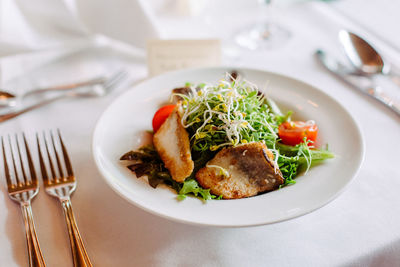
(359, 228)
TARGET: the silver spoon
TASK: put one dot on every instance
(364, 57)
(343, 73)
(94, 91)
(8, 99)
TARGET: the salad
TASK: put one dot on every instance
(225, 140)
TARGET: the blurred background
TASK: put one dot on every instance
(87, 32)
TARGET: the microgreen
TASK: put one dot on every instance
(228, 113)
(235, 112)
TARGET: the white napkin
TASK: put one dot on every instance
(51, 28)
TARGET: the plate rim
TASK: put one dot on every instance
(116, 188)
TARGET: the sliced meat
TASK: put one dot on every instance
(172, 144)
(242, 171)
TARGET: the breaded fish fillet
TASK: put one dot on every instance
(241, 171)
(172, 144)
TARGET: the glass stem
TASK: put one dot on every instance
(265, 17)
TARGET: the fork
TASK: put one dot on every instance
(8, 100)
(22, 192)
(61, 184)
(96, 91)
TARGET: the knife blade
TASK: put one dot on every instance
(342, 73)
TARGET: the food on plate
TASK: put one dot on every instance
(226, 140)
(294, 132)
(241, 171)
(161, 115)
(179, 91)
(172, 143)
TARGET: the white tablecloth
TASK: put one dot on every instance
(359, 228)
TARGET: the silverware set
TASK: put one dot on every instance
(92, 88)
(366, 63)
(58, 180)
(55, 165)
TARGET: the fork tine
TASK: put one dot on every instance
(57, 156)
(62, 189)
(30, 162)
(53, 172)
(41, 162)
(112, 81)
(115, 76)
(13, 161)
(6, 170)
(115, 79)
(23, 194)
(21, 161)
(65, 155)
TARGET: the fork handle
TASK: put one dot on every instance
(79, 253)
(13, 114)
(94, 81)
(35, 253)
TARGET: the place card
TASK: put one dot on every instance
(168, 55)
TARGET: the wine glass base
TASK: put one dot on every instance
(262, 36)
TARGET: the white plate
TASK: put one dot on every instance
(119, 130)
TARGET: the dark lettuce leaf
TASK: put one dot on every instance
(148, 163)
(144, 153)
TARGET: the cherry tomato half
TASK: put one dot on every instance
(161, 115)
(293, 132)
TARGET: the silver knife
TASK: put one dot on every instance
(344, 74)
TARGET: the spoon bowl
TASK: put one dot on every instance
(7, 99)
(364, 57)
